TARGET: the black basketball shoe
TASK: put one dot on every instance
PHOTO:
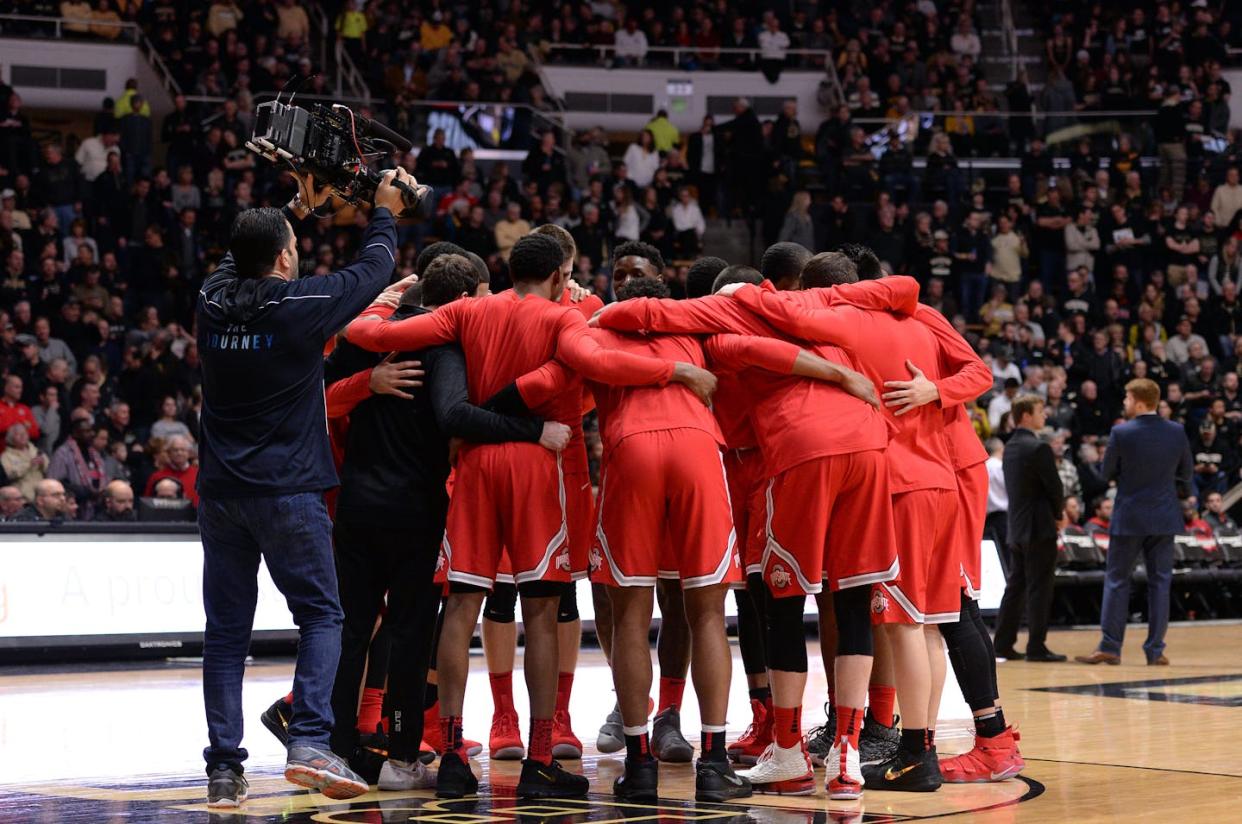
(905, 772)
(455, 778)
(640, 783)
(541, 780)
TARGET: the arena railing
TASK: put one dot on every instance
(755, 55)
(132, 32)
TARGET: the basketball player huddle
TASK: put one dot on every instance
(790, 432)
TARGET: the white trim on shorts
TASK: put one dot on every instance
(618, 578)
(559, 540)
(919, 617)
(967, 585)
(866, 578)
(721, 571)
(773, 547)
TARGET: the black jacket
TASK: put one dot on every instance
(261, 342)
(397, 451)
(1034, 487)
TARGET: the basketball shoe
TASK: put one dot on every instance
(820, 739)
(992, 759)
(782, 771)
(878, 743)
(505, 741)
(748, 748)
(848, 782)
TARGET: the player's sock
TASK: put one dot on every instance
(450, 734)
(929, 742)
(914, 741)
(761, 694)
(991, 725)
(370, 710)
(502, 691)
(540, 740)
(849, 724)
(637, 744)
(431, 696)
(713, 740)
(787, 724)
(671, 690)
(881, 699)
(564, 686)
(288, 699)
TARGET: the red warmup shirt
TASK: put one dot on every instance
(795, 419)
(574, 458)
(967, 377)
(504, 336)
(918, 457)
(732, 406)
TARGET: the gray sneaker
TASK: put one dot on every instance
(611, 736)
(322, 770)
(406, 775)
(226, 789)
(667, 742)
(820, 739)
(878, 743)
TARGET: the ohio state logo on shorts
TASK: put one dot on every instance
(595, 560)
(440, 562)
(879, 602)
(562, 559)
(780, 577)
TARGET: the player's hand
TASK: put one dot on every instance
(859, 385)
(699, 381)
(387, 195)
(594, 321)
(910, 395)
(391, 378)
(390, 299)
(577, 292)
(555, 436)
(730, 289)
(400, 286)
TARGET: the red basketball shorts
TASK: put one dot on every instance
(928, 591)
(664, 512)
(744, 471)
(509, 500)
(972, 511)
(831, 519)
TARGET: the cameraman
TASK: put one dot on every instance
(265, 464)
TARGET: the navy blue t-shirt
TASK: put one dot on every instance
(261, 341)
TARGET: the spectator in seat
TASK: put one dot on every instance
(79, 466)
(1216, 516)
(689, 225)
(1073, 512)
(13, 411)
(168, 425)
(118, 504)
(167, 488)
(630, 44)
(179, 468)
(11, 503)
(642, 159)
(49, 503)
(1227, 198)
(509, 230)
(773, 47)
(22, 461)
(1102, 515)
(1214, 459)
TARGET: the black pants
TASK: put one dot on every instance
(996, 527)
(1029, 584)
(372, 561)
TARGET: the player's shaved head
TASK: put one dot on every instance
(737, 273)
(702, 274)
(643, 288)
(534, 258)
(433, 251)
(868, 264)
(828, 269)
(783, 263)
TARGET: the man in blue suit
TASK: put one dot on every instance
(1150, 460)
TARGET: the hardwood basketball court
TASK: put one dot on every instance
(1127, 743)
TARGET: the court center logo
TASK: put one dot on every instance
(779, 576)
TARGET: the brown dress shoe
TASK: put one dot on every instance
(1162, 661)
(1099, 657)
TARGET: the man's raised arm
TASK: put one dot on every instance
(713, 314)
(794, 313)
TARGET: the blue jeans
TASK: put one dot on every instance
(1123, 552)
(293, 534)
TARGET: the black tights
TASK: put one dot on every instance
(972, 656)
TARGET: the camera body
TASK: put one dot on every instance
(332, 143)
